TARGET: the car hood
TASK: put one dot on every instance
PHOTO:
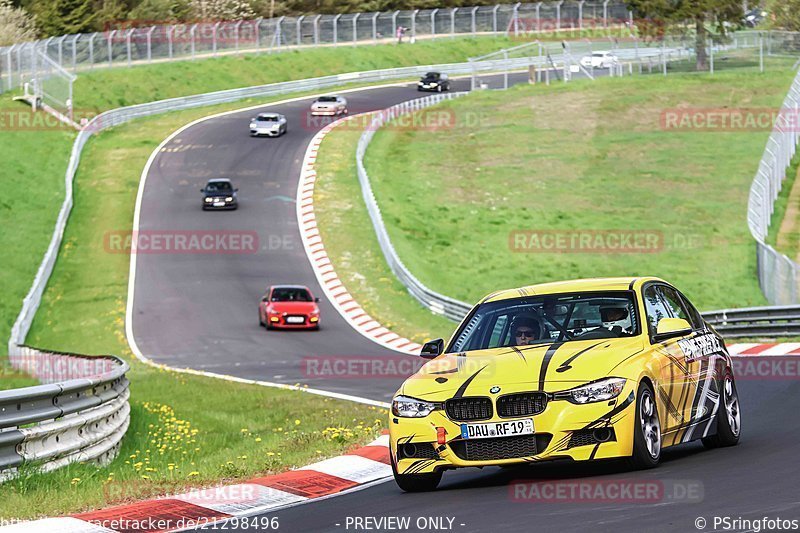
(551, 367)
(293, 307)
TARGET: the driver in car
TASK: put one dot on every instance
(616, 319)
(526, 330)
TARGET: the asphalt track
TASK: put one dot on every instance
(199, 311)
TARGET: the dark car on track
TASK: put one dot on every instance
(288, 307)
(434, 81)
(219, 193)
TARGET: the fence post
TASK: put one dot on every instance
(505, 70)
(170, 31)
(473, 22)
(8, 66)
(336, 29)
(414, 23)
(60, 51)
(453, 21)
(279, 31)
(91, 50)
(110, 44)
(538, 17)
(257, 26)
(375, 27)
(355, 28)
(494, 18)
(192, 31)
(214, 37)
(760, 52)
(580, 14)
(75, 52)
(711, 54)
(150, 44)
(394, 20)
(433, 21)
(128, 43)
(605, 13)
(316, 29)
(299, 30)
(558, 14)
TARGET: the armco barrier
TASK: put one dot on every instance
(79, 413)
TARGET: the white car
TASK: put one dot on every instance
(600, 59)
(269, 124)
(329, 106)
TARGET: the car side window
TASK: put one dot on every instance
(655, 308)
(696, 318)
(675, 304)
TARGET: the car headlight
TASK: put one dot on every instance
(434, 84)
(253, 125)
(598, 391)
(229, 199)
(406, 407)
(208, 200)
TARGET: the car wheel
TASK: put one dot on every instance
(729, 419)
(260, 321)
(647, 432)
(416, 482)
(439, 88)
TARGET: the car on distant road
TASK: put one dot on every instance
(434, 81)
(288, 307)
(599, 59)
(219, 193)
(269, 124)
(582, 370)
(331, 105)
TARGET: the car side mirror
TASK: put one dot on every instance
(671, 327)
(236, 189)
(432, 349)
(316, 299)
(202, 190)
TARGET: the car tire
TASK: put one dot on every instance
(416, 482)
(439, 88)
(646, 448)
(729, 422)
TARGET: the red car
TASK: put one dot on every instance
(289, 307)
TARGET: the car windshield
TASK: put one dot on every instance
(598, 54)
(290, 295)
(326, 99)
(549, 318)
(219, 186)
(432, 75)
(268, 118)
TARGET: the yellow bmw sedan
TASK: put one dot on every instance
(580, 370)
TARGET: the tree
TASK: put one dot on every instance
(16, 24)
(785, 14)
(61, 17)
(675, 14)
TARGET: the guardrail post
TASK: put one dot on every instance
(494, 18)
(355, 27)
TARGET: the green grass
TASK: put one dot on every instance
(109, 88)
(786, 240)
(89, 286)
(585, 156)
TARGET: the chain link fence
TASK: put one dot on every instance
(127, 43)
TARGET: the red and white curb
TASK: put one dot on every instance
(335, 291)
(347, 473)
(746, 349)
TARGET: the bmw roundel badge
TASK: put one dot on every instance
(495, 389)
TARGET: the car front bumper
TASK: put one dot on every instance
(264, 131)
(561, 431)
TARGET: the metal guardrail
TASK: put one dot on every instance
(80, 413)
(777, 321)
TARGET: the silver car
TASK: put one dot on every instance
(329, 106)
(269, 124)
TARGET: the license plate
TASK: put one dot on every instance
(219, 204)
(490, 430)
(295, 320)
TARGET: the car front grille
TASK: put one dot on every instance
(522, 404)
(500, 448)
(467, 409)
